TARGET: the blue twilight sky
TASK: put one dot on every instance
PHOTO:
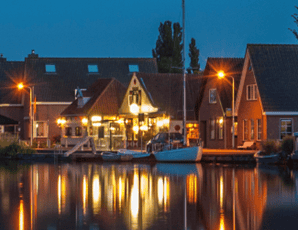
(117, 28)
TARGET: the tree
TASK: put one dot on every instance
(168, 50)
(194, 53)
(295, 16)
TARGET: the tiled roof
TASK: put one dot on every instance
(276, 71)
(105, 97)
(166, 91)
(11, 73)
(7, 121)
(233, 68)
(71, 73)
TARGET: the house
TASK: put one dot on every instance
(267, 105)
(215, 102)
(52, 83)
(95, 113)
(153, 103)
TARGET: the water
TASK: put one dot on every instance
(143, 196)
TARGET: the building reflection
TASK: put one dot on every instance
(78, 196)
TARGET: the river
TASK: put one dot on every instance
(143, 196)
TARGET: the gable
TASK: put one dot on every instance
(137, 94)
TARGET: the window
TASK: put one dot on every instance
(50, 68)
(68, 131)
(285, 127)
(259, 129)
(78, 131)
(219, 122)
(251, 92)
(76, 92)
(92, 68)
(135, 97)
(1, 128)
(252, 129)
(212, 96)
(41, 129)
(133, 68)
(212, 129)
(245, 130)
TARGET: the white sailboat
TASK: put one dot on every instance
(187, 154)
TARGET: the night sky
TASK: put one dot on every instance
(118, 28)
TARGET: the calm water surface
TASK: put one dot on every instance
(143, 196)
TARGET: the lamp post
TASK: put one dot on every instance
(21, 86)
(221, 74)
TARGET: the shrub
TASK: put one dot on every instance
(287, 144)
(56, 139)
(270, 146)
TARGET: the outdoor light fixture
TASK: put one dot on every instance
(85, 121)
(144, 128)
(20, 87)
(135, 129)
(221, 74)
(134, 108)
(96, 118)
(160, 123)
(61, 121)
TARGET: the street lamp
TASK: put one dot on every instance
(21, 86)
(221, 74)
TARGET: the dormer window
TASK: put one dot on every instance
(92, 68)
(133, 68)
(50, 68)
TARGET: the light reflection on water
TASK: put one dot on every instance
(143, 196)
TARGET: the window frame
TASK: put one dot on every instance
(251, 92)
(220, 128)
(280, 127)
(214, 100)
(212, 128)
(45, 127)
(259, 135)
(90, 70)
(245, 130)
(131, 68)
(252, 129)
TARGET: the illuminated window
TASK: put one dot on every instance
(251, 92)
(252, 129)
(212, 96)
(92, 68)
(259, 129)
(134, 97)
(219, 122)
(1, 128)
(285, 127)
(41, 129)
(50, 68)
(245, 130)
(212, 129)
(133, 68)
(78, 131)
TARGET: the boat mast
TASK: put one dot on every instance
(184, 73)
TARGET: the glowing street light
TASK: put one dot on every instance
(20, 87)
(221, 74)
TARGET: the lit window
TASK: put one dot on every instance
(78, 131)
(133, 68)
(251, 92)
(41, 129)
(92, 68)
(212, 129)
(252, 129)
(219, 122)
(212, 96)
(285, 127)
(259, 129)
(68, 131)
(50, 68)
(134, 97)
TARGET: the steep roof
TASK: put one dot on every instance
(69, 73)
(232, 68)
(111, 93)
(275, 68)
(11, 73)
(166, 92)
(7, 121)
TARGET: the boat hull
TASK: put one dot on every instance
(267, 159)
(190, 154)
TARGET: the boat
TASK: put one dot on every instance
(124, 155)
(183, 154)
(134, 154)
(273, 158)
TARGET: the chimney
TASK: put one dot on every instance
(33, 54)
(2, 59)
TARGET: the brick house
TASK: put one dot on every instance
(215, 102)
(159, 102)
(95, 113)
(53, 82)
(267, 105)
